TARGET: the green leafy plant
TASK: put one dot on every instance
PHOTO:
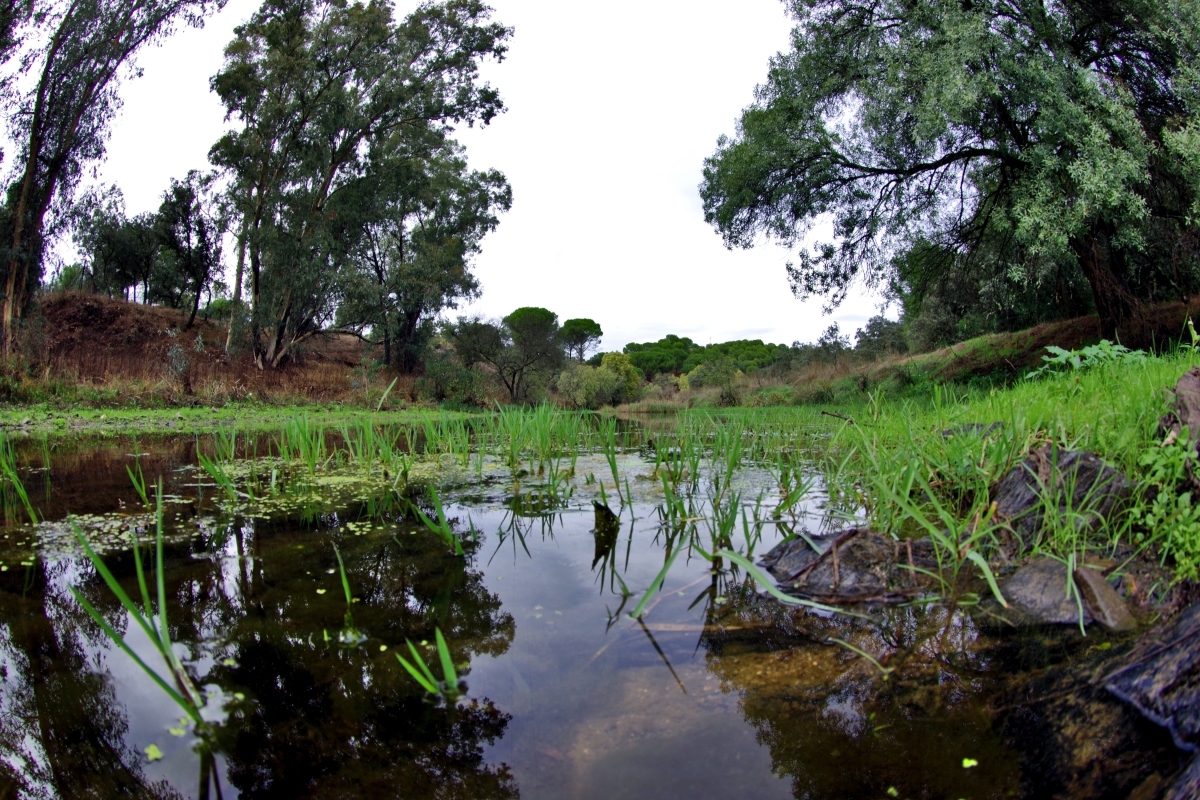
(1104, 352)
(450, 687)
(441, 527)
(152, 621)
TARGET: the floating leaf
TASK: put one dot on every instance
(153, 753)
(969, 762)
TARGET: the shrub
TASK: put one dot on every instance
(589, 387)
(631, 377)
(446, 380)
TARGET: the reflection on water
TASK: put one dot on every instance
(715, 693)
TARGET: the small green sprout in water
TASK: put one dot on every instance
(449, 688)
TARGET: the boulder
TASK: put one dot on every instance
(858, 565)
(1074, 482)
(1037, 595)
(1187, 785)
(1185, 409)
(1106, 606)
(1160, 677)
(786, 559)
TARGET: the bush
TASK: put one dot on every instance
(446, 380)
(589, 387)
(632, 378)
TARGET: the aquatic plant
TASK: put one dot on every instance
(153, 623)
(450, 688)
(441, 527)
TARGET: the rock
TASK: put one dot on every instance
(170, 424)
(178, 415)
(1106, 606)
(1077, 482)
(1160, 677)
(855, 568)
(1187, 785)
(789, 557)
(103, 417)
(1037, 595)
(26, 421)
(973, 428)
(1185, 411)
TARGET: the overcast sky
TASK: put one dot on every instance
(612, 109)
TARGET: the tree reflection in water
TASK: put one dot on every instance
(316, 720)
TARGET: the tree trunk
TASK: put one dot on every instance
(1119, 311)
(237, 283)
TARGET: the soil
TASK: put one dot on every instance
(94, 341)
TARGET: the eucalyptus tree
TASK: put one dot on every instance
(316, 86)
(1049, 132)
(62, 98)
(190, 228)
(425, 217)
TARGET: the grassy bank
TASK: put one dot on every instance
(889, 457)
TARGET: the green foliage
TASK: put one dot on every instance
(380, 97)
(1172, 515)
(523, 349)
(580, 336)
(446, 379)
(449, 688)
(1104, 352)
(589, 387)
(1015, 134)
(879, 338)
(418, 226)
(190, 230)
(631, 378)
(678, 354)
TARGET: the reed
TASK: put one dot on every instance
(449, 688)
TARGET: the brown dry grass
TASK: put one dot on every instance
(98, 351)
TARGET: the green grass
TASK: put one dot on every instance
(889, 457)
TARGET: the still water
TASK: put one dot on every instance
(717, 692)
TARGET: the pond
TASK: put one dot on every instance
(602, 654)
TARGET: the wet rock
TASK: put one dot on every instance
(790, 557)
(1106, 606)
(1074, 482)
(1037, 595)
(973, 429)
(1160, 677)
(1078, 741)
(1187, 785)
(1185, 410)
(854, 567)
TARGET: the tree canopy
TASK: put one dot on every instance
(330, 97)
(581, 336)
(679, 354)
(522, 348)
(73, 53)
(1033, 134)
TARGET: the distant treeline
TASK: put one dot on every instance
(679, 355)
